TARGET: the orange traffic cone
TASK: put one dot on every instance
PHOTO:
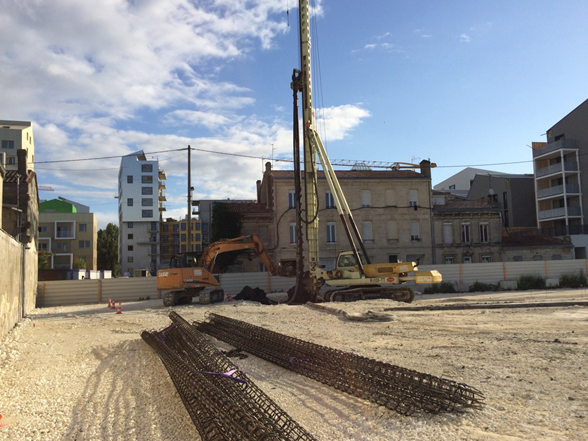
(229, 298)
(112, 305)
(119, 311)
(109, 302)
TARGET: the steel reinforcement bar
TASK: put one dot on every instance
(402, 390)
(222, 401)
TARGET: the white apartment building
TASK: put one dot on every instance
(15, 135)
(140, 204)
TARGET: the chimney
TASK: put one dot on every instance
(426, 168)
(22, 161)
(258, 184)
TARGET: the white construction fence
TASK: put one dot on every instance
(70, 292)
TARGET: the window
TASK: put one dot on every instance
(467, 259)
(154, 249)
(129, 202)
(7, 144)
(366, 228)
(392, 258)
(147, 213)
(262, 268)
(183, 227)
(292, 227)
(176, 249)
(130, 259)
(449, 260)
(130, 248)
(83, 228)
(165, 228)
(390, 197)
(129, 224)
(165, 249)
(465, 233)
(84, 244)
(11, 160)
(183, 248)
(130, 237)
(484, 232)
(43, 229)
(414, 231)
(198, 237)
(147, 179)
(331, 233)
(43, 246)
(147, 202)
(165, 238)
(329, 200)
(291, 199)
(183, 237)
(366, 198)
(486, 259)
(62, 246)
(176, 228)
(447, 234)
(153, 226)
(392, 230)
(413, 200)
(147, 168)
(129, 179)
(146, 191)
(452, 187)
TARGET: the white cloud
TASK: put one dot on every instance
(339, 121)
(464, 38)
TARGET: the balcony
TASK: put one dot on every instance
(568, 166)
(162, 175)
(560, 213)
(562, 144)
(558, 190)
(162, 208)
(162, 198)
(162, 186)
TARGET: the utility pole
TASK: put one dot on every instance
(189, 216)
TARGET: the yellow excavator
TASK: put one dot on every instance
(188, 276)
(355, 277)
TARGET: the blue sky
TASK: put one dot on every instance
(462, 83)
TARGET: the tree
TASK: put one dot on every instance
(107, 247)
(79, 264)
(225, 225)
(44, 259)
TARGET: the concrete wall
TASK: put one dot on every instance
(18, 281)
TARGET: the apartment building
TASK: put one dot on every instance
(392, 210)
(175, 235)
(16, 135)
(68, 230)
(466, 231)
(203, 210)
(561, 188)
(140, 207)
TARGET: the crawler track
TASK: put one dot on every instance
(402, 390)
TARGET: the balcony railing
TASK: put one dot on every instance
(64, 234)
(569, 166)
(558, 190)
(569, 144)
(560, 212)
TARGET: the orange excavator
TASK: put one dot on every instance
(188, 276)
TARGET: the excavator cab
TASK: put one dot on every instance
(347, 260)
(186, 260)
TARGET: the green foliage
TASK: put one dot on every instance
(531, 281)
(440, 288)
(79, 264)
(573, 280)
(44, 257)
(107, 247)
(482, 287)
(225, 225)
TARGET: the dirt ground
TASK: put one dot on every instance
(84, 373)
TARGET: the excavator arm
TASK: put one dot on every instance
(251, 242)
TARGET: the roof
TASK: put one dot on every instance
(248, 208)
(465, 205)
(356, 174)
(12, 176)
(533, 241)
(580, 105)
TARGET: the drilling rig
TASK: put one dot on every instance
(355, 277)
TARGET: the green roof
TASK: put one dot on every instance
(57, 206)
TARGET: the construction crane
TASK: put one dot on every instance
(355, 277)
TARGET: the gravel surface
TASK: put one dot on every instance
(84, 373)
